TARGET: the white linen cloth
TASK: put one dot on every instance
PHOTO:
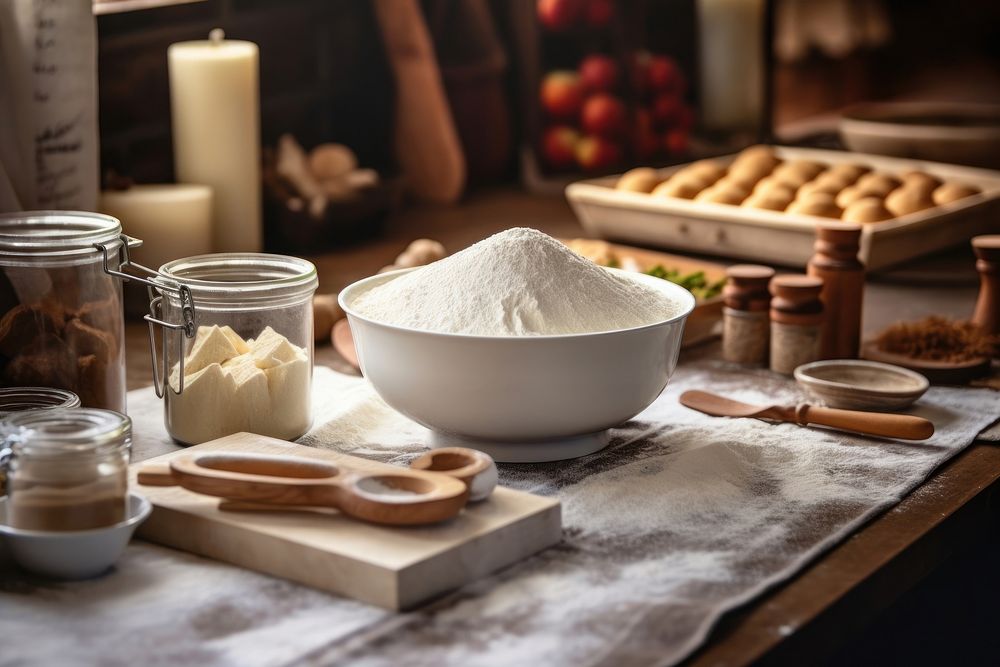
(680, 519)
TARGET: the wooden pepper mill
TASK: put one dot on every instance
(796, 321)
(746, 323)
(836, 262)
(987, 313)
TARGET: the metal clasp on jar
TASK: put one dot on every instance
(155, 281)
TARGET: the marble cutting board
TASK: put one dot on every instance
(395, 568)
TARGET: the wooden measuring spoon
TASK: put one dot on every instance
(397, 498)
(477, 469)
(887, 425)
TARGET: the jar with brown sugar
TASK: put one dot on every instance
(67, 469)
(61, 314)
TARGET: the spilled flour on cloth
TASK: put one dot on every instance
(680, 519)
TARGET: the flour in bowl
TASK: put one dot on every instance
(520, 282)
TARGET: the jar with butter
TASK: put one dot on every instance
(67, 469)
(249, 365)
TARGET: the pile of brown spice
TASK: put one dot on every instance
(938, 339)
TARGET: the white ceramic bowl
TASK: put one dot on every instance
(939, 132)
(856, 384)
(516, 397)
(79, 554)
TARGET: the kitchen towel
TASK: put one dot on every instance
(680, 519)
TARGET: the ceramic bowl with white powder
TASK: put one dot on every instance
(517, 345)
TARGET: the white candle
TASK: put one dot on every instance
(732, 63)
(214, 104)
(173, 220)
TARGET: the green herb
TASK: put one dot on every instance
(695, 282)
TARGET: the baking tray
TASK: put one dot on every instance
(785, 238)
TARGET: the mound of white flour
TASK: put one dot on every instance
(520, 282)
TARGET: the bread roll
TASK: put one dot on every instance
(869, 209)
(754, 162)
(820, 204)
(723, 193)
(683, 187)
(804, 169)
(850, 170)
(790, 177)
(776, 197)
(826, 182)
(849, 195)
(640, 179)
(908, 199)
(878, 183)
(921, 180)
(707, 170)
(950, 192)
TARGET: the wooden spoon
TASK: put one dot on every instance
(343, 342)
(397, 498)
(905, 427)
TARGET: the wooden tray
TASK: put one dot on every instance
(784, 238)
(703, 322)
(396, 568)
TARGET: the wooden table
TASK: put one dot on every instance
(833, 600)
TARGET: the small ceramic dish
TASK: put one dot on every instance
(855, 384)
(78, 554)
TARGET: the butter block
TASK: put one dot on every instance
(212, 345)
(271, 349)
(202, 412)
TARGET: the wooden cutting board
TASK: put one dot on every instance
(396, 568)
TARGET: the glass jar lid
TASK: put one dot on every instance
(20, 399)
(243, 277)
(64, 433)
(67, 234)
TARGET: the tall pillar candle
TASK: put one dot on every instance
(173, 220)
(731, 36)
(215, 109)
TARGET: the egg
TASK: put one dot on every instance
(869, 209)
(949, 192)
(640, 179)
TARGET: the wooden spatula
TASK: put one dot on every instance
(904, 427)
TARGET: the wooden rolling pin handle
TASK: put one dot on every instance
(904, 427)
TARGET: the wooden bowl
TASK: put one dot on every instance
(937, 372)
(855, 384)
(941, 132)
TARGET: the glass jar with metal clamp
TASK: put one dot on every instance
(249, 365)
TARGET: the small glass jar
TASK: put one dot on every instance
(61, 314)
(66, 469)
(249, 365)
(20, 399)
